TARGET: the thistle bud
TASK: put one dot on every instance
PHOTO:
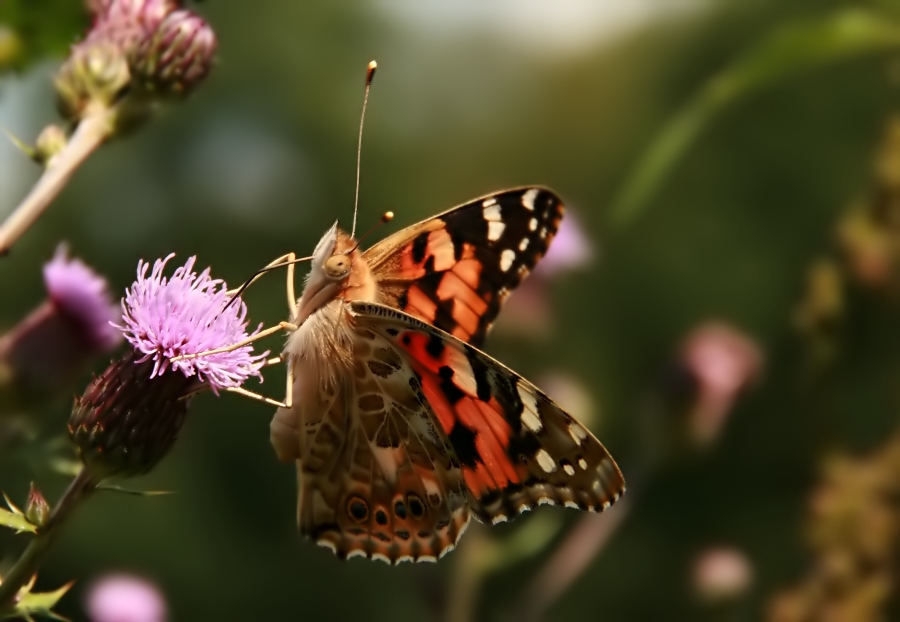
(38, 510)
(127, 420)
(149, 13)
(176, 56)
(95, 73)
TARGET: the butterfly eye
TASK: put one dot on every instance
(337, 266)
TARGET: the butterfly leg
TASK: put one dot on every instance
(256, 396)
(291, 294)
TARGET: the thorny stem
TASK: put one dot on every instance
(30, 560)
(94, 128)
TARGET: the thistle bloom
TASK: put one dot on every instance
(82, 296)
(188, 313)
(129, 417)
(41, 354)
(125, 598)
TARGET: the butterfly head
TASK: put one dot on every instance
(337, 271)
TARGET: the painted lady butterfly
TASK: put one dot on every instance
(400, 427)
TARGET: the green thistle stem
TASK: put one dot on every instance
(31, 558)
(95, 127)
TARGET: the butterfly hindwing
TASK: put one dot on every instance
(377, 478)
(516, 447)
(454, 270)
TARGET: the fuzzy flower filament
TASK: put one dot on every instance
(129, 416)
(188, 313)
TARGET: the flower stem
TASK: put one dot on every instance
(94, 128)
(30, 559)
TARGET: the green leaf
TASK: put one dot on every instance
(131, 491)
(40, 603)
(788, 50)
(34, 29)
(16, 521)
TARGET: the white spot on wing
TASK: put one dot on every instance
(500, 518)
(530, 417)
(523, 244)
(489, 201)
(582, 463)
(577, 432)
(506, 259)
(532, 224)
(528, 199)
(571, 504)
(569, 469)
(545, 461)
(491, 211)
(495, 229)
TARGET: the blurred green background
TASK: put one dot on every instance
(739, 193)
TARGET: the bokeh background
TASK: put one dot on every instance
(723, 313)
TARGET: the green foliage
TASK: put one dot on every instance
(31, 604)
(15, 519)
(32, 30)
(779, 55)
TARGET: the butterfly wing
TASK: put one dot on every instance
(455, 270)
(516, 447)
(377, 476)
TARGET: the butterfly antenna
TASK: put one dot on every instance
(370, 73)
(385, 218)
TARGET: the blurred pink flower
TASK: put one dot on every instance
(528, 312)
(52, 344)
(82, 296)
(722, 361)
(571, 249)
(721, 573)
(125, 598)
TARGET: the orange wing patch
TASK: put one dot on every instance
(466, 260)
(516, 448)
(451, 389)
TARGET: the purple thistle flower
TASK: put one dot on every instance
(81, 295)
(188, 313)
(46, 349)
(129, 416)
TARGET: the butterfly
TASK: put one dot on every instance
(400, 427)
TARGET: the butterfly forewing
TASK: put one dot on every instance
(455, 270)
(516, 447)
